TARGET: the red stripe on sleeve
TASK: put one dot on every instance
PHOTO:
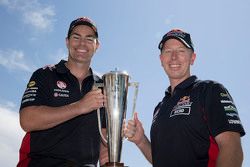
(213, 152)
(24, 151)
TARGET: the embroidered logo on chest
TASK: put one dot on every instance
(61, 84)
(183, 107)
(62, 92)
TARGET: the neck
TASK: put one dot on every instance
(175, 82)
(80, 71)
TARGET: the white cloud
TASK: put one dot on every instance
(33, 13)
(14, 60)
(40, 19)
(11, 135)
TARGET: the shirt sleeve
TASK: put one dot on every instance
(36, 92)
(222, 114)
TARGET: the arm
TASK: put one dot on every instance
(224, 123)
(135, 133)
(230, 150)
(44, 117)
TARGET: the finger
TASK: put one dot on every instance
(129, 134)
(123, 124)
(131, 128)
(99, 91)
(96, 91)
(94, 87)
(99, 98)
(131, 123)
(136, 119)
(135, 116)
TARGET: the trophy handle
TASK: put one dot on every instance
(136, 85)
(96, 86)
(99, 126)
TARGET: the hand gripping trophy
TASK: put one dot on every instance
(115, 86)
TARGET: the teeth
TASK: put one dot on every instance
(174, 65)
(81, 50)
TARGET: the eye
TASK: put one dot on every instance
(90, 39)
(181, 51)
(75, 37)
(167, 51)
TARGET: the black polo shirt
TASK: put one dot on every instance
(185, 124)
(73, 143)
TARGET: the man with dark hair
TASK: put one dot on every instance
(197, 123)
(58, 108)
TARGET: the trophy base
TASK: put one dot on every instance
(114, 164)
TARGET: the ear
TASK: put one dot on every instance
(67, 42)
(97, 45)
(161, 59)
(193, 57)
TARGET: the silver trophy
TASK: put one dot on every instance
(115, 86)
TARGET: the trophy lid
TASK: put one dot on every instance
(116, 72)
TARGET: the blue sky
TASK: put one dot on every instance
(33, 35)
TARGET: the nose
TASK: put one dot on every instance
(174, 55)
(83, 41)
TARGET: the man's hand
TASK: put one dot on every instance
(134, 130)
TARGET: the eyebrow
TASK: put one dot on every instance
(180, 47)
(90, 35)
(74, 33)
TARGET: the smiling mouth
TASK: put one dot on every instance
(174, 65)
(81, 50)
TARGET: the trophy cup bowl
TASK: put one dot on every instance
(115, 87)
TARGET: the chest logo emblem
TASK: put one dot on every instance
(61, 84)
(183, 107)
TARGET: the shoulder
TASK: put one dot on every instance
(44, 73)
(208, 84)
(209, 89)
(45, 69)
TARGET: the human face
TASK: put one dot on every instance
(176, 60)
(81, 45)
